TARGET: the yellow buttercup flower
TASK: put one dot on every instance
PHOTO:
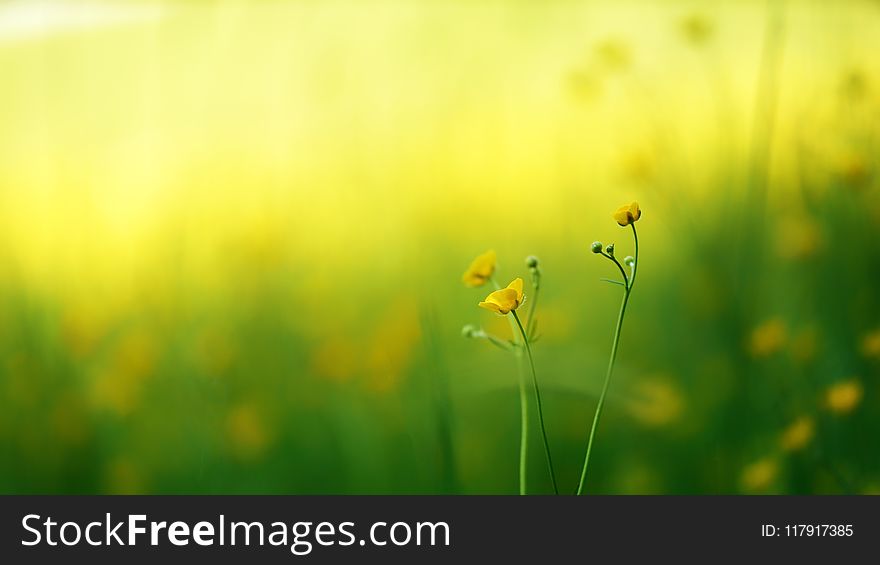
(505, 300)
(844, 396)
(481, 270)
(797, 435)
(626, 215)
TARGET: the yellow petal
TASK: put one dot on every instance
(501, 301)
(517, 285)
(622, 216)
(627, 214)
(480, 269)
(635, 211)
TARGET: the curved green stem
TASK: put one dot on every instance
(523, 409)
(619, 266)
(611, 361)
(538, 402)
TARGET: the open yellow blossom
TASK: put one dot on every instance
(628, 214)
(844, 396)
(481, 270)
(505, 300)
(797, 435)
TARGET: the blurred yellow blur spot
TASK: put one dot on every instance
(215, 351)
(844, 397)
(697, 29)
(759, 476)
(614, 54)
(480, 270)
(69, 419)
(798, 434)
(335, 359)
(82, 327)
(118, 385)
(392, 345)
(768, 338)
(122, 477)
(655, 401)
(805, 345)
(554, 322)
(871, 344)
(246, 431)
(855, 171)
(798, 238)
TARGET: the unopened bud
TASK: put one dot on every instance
(596, 247)
(532, 262)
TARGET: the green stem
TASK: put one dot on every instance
(523, 423)
(610, 371)
(523, 410)
(536, 286)
(538, 402)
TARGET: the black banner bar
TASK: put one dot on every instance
(433, 529)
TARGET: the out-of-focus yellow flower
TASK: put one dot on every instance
(614, 54)
(391, 349)
(759, 475)
(871, 344)
(482, 268)
(843, 397)
(627, 214)
(805, 345)
(798, 237)
(798, 434)
(655, 402)
(246, 431)
(505, 300)
(697, 29)
(123, 477)
(768, 338)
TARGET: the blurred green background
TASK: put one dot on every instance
(232, 237)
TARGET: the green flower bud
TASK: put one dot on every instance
(596, 247)
(629, 261)
(532, 262)
(610, 249)
(469, 330)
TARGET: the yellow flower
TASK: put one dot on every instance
(759, 475)
(768, 338)
(871, 344)
(481, 269)
(626, 215)
(844, 396)
(797, 435)
(505, 300)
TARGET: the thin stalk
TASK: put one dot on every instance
(538, 402)
(523, 409)
(627, 291)
(523, 424)
(531, 322)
